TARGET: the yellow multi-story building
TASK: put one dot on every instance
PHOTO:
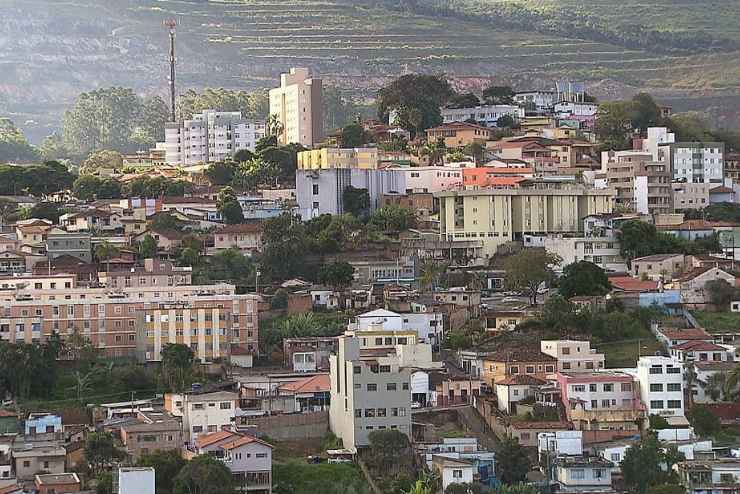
(497, 216)
(328, 158)
(207, 328)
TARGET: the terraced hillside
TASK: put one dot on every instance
(50, 50)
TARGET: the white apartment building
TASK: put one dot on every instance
(368, 393)
(540, 100)
(485, 115)
(432, 178)
(297, 104)
(321, 191)
(202, 413)
(657, 136)
(661, 386)
(429, 326)
(694, 162)
(602, 251)
(573, 355)
(210, 136)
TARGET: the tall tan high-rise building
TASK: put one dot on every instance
(297, 103)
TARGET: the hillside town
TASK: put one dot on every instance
(512, 291)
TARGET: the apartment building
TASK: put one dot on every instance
(202, 413)
(144, 438)
(719, 476)
(688, 195)
(661, 386)
(108, 317)
(694, 162)
(369, 391)
(61, 243)
(297, 105)
(485, 115)
(601, 400)
(537, 101)
(431, 178)
(321, 191)
(499, 365)
(641, 184)
(573, 356)
(207, 327)
(210, 136)
(732, 166)
(345, 158)
(428, 326)
(602, 251)
(583, 474)
(497, 216)
(154, 273)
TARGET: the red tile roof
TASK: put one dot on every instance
(698, 346)
(541, 425)
(314, 384)
(630, 284)
(212, 438)
(522, 380)
(251, 227)
(686, 334)
(241, 441)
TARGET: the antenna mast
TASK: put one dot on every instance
(172, 24)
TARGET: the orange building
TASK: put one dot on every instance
(493, 177)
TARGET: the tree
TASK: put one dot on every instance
(89, 187)
(392, 218)
(204, 475)
(716, 386)
(105, 252)
(512, 461)
(166, 464)
(636, 239)
(528, 270)
(721, 293)
(704, 422)
(220, 173)
(583, 278)
(7, 209)
(273, 126)
(51, 176)
(667, 489)
(284, 240)
(472, 488)
(101, 451)
(435, 150)
(498, 95)
(230, 266)
(353, 136)
(645, 112)
(232, 213)
(642, 465)
(658, 422)
(416, 99)
(148, 247)
(102, 159)
(254, 105)
(104, 483)
(243, 155)
(690, 126)
(14, 147)
(45, 211)
(520, 488)
(614, 124)
(337, 274)
(177, 363)
(463, 100)
(426, 484)
(430, 273)
(505, 122)
(53, 148)
(356, 201)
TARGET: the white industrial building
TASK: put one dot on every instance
(210, 136)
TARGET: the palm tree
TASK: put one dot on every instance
(732, 381)
(691, 379)
(82, 384)
(430, 273)
(105, 252)
(426, 484)
(716, 386)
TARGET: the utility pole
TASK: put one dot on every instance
(172, 24)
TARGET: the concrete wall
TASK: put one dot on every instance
(291, 427)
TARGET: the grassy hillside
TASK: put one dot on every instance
(50, 50)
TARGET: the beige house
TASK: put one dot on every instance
(144, 438)
(167, 240)
(573, 356)
(47, 457)
(246, 237)
(658, 266)
(459, 134)
(693, 284)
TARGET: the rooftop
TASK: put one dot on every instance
(57, 478)
(630, 284)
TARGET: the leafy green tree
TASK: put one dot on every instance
(146, 186)
(498, 95)
(101, 451)
(51, 176)
(583, 278)
(254, 105)
(416, 99)
(14, 147)
(337, 274)
(645, 112)
(636, 239)
(614, 125)
(53, 148)
(463, 100)
(220, 173)
(473, 488)
(105, 252)
(353, 136)
(45, 211)
(392, 218)
(666, 489)
(284, 246)
(8, 209)
(232, 213)
(89, 187)
(229, 266)
(528, 269)
(104, 483)
(166, 464)
(243, 155)
(356, 201)
(690, 126)
(177, 364)
(512, 461)
(272, 334)
(520, 488)
(204, 475)
(658, 422)
(148, 247)
(732, 382)
(704, 422)
(721, 293)
(505, 122)
(642, 465)
(102, 159)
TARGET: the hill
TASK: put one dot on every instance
(50, 50)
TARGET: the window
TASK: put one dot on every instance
(261, 455)
(357, 369)
(381, 412)
(385, 368)
(549, 368)
(592, 387)
(566, 365)
(405, 386)
(656, 404)
(577, 474)
(390, 387)
(370, 412)
(605, 403)
(197, 428)
(656, 369)
(671, 370)
(616, 457)
(566, 350)
(225, 405)
(656, 388)
(457, 474)
(674, 404)
(626, 386)
(394, 412)
(579, 388)
(529, 369)
(608, 388)
(598, 473)
(673, 387)
(372, 387)
(358, 412)
(315, 189)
